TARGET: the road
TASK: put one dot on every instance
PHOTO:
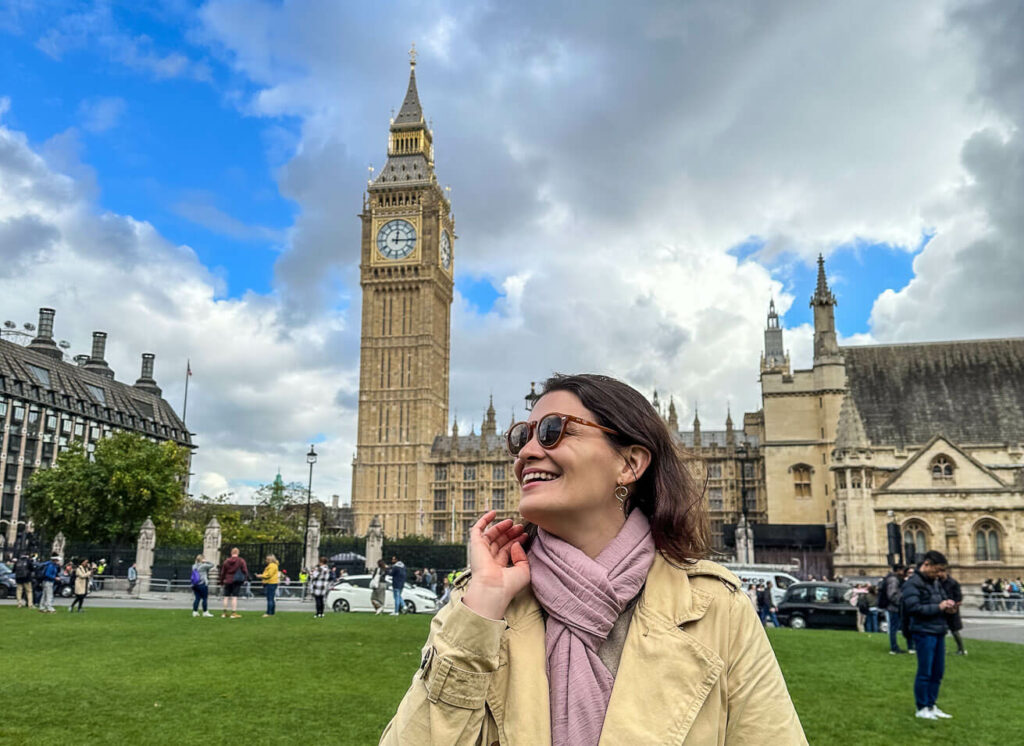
(1003, 629)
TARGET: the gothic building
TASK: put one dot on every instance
(926, 436)
(46, 402)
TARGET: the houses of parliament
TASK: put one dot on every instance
(874, 453)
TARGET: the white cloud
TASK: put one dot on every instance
(101, 114)
(260, 390)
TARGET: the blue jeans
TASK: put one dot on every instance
(397, 593)
(201, 593)
(894, 629)
(871, 621)
(768, 613)
(931, 664)
(271, 590)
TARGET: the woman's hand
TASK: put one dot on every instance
(498, 564)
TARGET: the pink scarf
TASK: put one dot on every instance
(583, 598)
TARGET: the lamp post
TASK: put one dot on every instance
(532, 397)
(310, 459)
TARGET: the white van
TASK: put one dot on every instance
(753, 574)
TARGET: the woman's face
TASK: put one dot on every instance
(577, 477)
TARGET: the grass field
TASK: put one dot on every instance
(138, 676)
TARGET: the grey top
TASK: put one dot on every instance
(204, 571)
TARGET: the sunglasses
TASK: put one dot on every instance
(550, 431)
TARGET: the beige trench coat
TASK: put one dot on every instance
(696, 668)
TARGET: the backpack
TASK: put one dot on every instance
(23, 568)
(197, 579)
(862, 603)
(883, 594)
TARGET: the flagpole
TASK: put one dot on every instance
(188, 375)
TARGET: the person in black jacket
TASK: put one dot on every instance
(927, 607)
(951, 587)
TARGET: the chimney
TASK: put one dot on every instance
(43, 341)
(146, 381)
(96, 363)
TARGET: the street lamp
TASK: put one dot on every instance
(310, 459)
(532, 397)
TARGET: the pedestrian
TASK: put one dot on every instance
(23, 575)
(133, 577)
(427, 581)
(378, 587)
(904, 619)
(233, 572)
(927, 607)
(446, 595)
(889, 596)
(320, 581)
(49, 572)
(283, 590)
(398, 575)
(767, 604)
(271, 577)
(612, 592)
(860, 600)
(200, 580)
(951, 587)
(871, 621)
(83, 574)
(752, 595)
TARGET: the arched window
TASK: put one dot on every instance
(915, 541)
(942, 469)
(801, 479)
(986, 542)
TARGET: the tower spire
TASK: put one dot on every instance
(411, 111)
(826, 347)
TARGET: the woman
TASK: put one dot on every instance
(270, 577)
(201, 584)
(378, 588)
(604, 592)
(320, 581)
(83, 574)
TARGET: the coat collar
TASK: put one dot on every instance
(663, 670)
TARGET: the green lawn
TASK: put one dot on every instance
(140, 676)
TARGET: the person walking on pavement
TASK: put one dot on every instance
(133, 577)
(767, 604)
(951, 587)
(378, 587)
(890, 593)
(271, 577)
(50, 571)
(233, 572)
(23, 575)
(398, 575)
(320, 580)
(927, 607)
(83, 574)
(201, 585)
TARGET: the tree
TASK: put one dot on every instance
(107, 498)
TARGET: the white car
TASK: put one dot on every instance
(352, 593)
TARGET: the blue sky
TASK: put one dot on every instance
(630, 189)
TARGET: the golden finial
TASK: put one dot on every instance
(412, 55)
(370, 169)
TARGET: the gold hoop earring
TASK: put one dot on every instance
(621, 493)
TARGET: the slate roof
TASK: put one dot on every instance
(972, 391)
(73, 381)
(716, 437)
(443, 443)
(411, 111)
(405, 169)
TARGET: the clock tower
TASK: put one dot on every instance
(406, 266)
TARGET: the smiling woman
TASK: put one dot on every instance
(599, 621)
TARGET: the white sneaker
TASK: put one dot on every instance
(378, 611)
(940, 714)
(926, 714)
(206, 613)
(195, 613)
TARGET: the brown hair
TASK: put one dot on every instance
(666, 493)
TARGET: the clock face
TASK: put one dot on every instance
(446, 250)
(396, 239)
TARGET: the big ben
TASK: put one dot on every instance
(406, 267)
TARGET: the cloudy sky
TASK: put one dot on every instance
(632, 183)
